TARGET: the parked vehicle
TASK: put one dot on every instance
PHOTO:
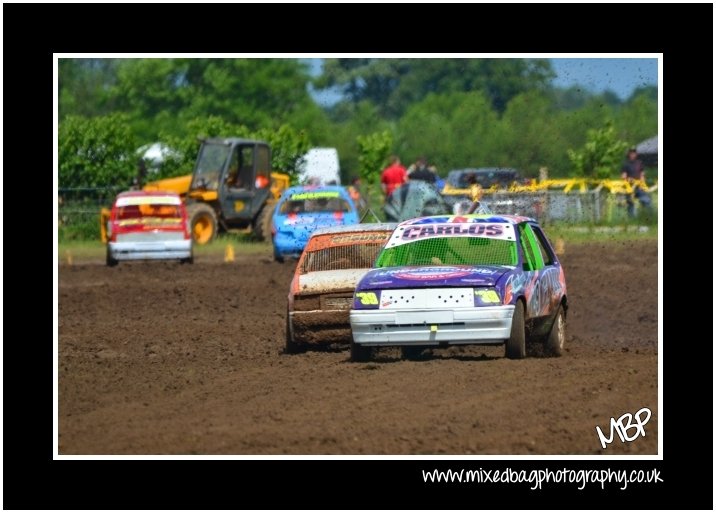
(320, 166)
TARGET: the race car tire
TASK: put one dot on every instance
(515, 346)
(554, 345)
(111, 262)
(359, 353)
(292, 347)
(189, 259)
(411, 352)
(278, 257)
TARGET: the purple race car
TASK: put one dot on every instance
(471, 279)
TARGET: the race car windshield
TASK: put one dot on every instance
(149, 212)
(451, 251)
(359, 256)
(314, 205)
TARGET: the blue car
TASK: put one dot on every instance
(303, 209)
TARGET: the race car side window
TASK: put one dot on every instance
(543, 246)
(539, 261)
(533, 259)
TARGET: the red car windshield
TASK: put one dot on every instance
(149, 213)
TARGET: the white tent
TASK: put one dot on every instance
(648, 151)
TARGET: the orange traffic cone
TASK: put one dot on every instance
(229, 253)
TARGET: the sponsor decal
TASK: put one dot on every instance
(384, 282)
(414, 233)
(315, 195)
(149, 221)
(438, 273)
(359, 237)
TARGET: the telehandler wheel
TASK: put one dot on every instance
(262, 224)
(202, 221)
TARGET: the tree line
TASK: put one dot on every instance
(456, 112)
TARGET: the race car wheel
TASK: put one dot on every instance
(277, 256)
(554, 345)
(190, 259)
(203, 223)
(515, 345)
(292, 347)
(359, 353)
(411, 352)
(111, 262)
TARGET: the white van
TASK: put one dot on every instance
(320, 166)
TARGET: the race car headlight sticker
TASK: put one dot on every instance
(486, 297)
(366, 299)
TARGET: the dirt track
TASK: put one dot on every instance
(159, 358)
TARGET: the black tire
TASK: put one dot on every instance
(554, 345)
(515, 346)
(411, 352)
(111, 262)
(292, 347)
(190, 259)
(262, 223)
(203, 224)
(360, 353)
(277, 256)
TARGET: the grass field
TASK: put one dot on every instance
(244, 245)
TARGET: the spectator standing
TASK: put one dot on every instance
(633, 172)
(354, 190)
(421, 171)
(393, 176)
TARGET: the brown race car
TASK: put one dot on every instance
(321, 293)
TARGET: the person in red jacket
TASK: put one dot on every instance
(393, 176)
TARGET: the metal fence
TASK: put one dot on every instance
(557, 206)
(79, 208)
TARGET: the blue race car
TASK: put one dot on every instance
(472, 279)
(303, 209)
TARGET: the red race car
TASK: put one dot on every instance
(148, 226)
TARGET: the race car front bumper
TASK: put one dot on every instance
(432, 327)
(154, 250)
(320, 326)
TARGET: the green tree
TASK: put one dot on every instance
(601, 154)
(364, 119)
(394, 84)
(287, 144)
(531, 136)
(638, 119)
(83, 86)
(163, 94)
(453, 130)
(96, 152)
(374, 150)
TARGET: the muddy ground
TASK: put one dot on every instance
(160, 358)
